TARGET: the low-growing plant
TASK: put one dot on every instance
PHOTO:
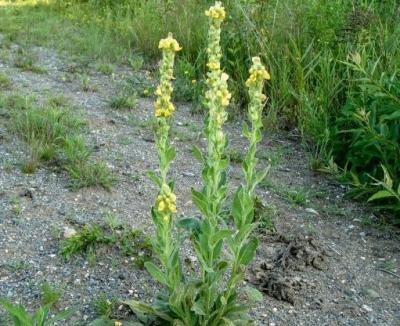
(18, 102)
(136, 62)
(5, 82)
(211, 295)
(27, 61)
(297, 196)
(50, 294)
(86, 174)
(105, 68)
(19, 315)
(123, 101)
(130, 242)
(53, 136)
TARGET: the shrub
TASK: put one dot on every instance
(367, 131)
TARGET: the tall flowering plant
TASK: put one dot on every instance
(164, 244)
(211, 296)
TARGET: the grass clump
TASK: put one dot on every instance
(27, 61)
(53, 137)
(123, 101)
(129, 242)
(5, 81)
(105, 68)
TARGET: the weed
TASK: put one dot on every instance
(27, 61)
(310, 229)
(105, 68)
(57, 101)
(123, 102)
(297, 196)
(42, 317)
(85, 84)
(5, 82)
(125, 141)
(128, 241)
(50, 295)
(265, 216)
(84, 174)
(274, 157)
(390, 265)
(88, 237)
(16, 266)
(104, 306)
(53, 135)
(136, 62)
(18, 102)
(236, 156)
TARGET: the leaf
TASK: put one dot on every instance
(170, 155)
(190, 223)
(261, 175)
(200, 201)
(253, 294)
(138, 307)
(17, 312)
(248, 252)
(155, 272)
(198, 308)
(221, 234)
(197, 153)
(237, 208)
(380, 195)
(62, 315)
(155, 178)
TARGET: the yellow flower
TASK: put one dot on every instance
(169, 43)
(258, 73)
(166, 201)
(145, 91)
(213, 65)
(216, 12)
(117, 323)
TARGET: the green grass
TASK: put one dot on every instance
(105, 68)
(121, 102)
(54, 137)
(27, 61)
(5, 81)
(130, 242)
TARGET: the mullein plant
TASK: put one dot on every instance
(164, 244)
(211, 297)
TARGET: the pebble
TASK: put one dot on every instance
(367, 308)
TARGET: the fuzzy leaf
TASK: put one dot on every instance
(154, 177)
(253, 294)
(155, 272)
(248, 252)
(200, 201)
(191, 223)
(170, 155)
(197, 153)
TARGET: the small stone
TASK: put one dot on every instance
(69, 232)
(312, 211)
(366, 308)
(371, 293)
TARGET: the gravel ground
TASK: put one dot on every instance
(349, 289)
